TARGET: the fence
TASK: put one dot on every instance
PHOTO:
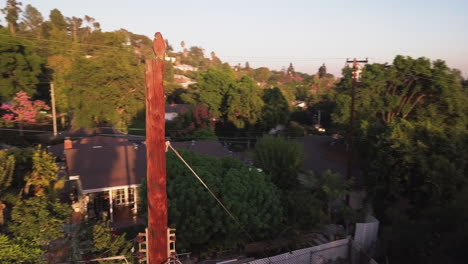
(326, 253)
(344, 251)
(366, 235)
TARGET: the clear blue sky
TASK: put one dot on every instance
(307, 33)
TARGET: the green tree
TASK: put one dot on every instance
(111, 78)
(19, 67)
(23, 165)
(331, 187)
(237, 101)
(12, 11)
(262, 74)
(281, 159)
(275, 109)
(411, 137)
(408, 89)
(75, 24)
(200, 221)
(104, 241)
(38, 220)
(17, 251)
(32, 21)
(58, 20)
(322, 71)
(245, 103)
(7, 165)
(61, 67)
(56, 30)
(417, 182)
(214, 88)
(290, 70)
(304, 210)
(144, 47)
(44, 173)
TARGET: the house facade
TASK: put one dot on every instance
(171, 111)
(186, 67)
(108, 172)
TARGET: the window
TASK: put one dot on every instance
(120, 196)
(131, 195)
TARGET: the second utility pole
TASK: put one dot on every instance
(54, 115)
(356, 80)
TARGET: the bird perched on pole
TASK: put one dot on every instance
(159, 46)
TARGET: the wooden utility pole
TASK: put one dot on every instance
(156, 155)
(54, 115)
(356, 80)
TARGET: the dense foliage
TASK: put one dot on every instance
(19, 66)
(237, 101)
(193, 123)
(281, 159)
(34, 220)
(106, 242)
(411, 134)
(200, 221)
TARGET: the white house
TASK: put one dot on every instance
(186, 67)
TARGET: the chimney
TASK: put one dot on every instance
(67, 143)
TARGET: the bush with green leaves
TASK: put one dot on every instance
(104, 241)
(279, 158)
(200, 222)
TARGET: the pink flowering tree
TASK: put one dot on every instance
(23, 110)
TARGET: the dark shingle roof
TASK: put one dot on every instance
(176, 108)
(103, 162)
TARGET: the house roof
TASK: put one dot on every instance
(206, 147)
(321, 153)
(176, 108)
(105, 162)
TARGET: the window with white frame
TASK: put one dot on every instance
(131, 195)
(120, 196)
(124, 196)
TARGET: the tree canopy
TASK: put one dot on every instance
(275, 110)
(281, 159)
(411, 137)
(19, 67)
(200, 221)
(230, 99)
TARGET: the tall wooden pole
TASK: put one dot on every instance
(156, 155)
(356, 80)
(351, 123)
(54, 115)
